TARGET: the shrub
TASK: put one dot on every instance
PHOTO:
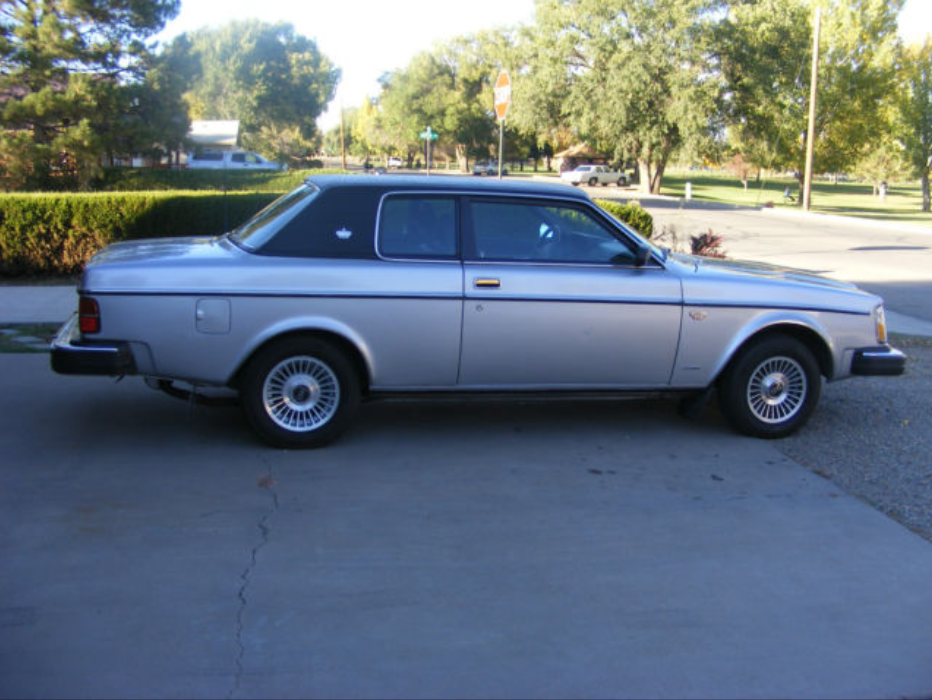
(147, 179)
(708, 245)
(55, 234)
(631, 214)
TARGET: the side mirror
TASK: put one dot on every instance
(642, 256)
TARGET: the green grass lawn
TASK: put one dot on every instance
(903, 203)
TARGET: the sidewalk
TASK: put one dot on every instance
(55, 304)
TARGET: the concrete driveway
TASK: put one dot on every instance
(584, 549)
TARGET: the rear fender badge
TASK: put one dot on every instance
(698, 315)
(344, 234)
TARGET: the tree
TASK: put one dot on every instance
(59, 61)
(638, 74)
(449, 90)
(882, 165)
(368, 132)
(266, 76)
(764, 48)
(915, 110)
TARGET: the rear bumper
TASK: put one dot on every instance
(880, 361)
(72, 355)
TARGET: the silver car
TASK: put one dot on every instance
(352, 287)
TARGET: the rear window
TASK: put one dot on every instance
(261, 228)
(337, 222)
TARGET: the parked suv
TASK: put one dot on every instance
(487, 167)
(231, 160)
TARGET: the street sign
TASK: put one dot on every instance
(502, 92)
(428, 135)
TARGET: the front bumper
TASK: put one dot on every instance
(72, 355)
(880, 361)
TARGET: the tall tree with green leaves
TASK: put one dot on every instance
(639, 81)
(267, 76)
(764, 48)
(449, 90)
(59, 61)
(915, 107)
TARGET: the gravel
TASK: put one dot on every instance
(872, 436)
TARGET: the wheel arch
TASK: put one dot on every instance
(812, 339)
(350, 349)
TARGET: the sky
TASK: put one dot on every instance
(366, 38)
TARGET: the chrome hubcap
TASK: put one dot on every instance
(777, 389)
(301, 394)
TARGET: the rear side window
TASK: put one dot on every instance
(338, 222)
(208, 155)
(418, 226)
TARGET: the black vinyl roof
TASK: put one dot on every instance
(449, 183)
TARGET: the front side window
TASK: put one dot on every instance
(538, 232)
(418, 226)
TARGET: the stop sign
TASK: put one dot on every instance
(502, 93)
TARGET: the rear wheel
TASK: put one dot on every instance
(771, 388)
(593, 182)
(299, 392)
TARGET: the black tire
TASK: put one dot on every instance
(771, 388)
(299, 392)
(621, 182)
(593, 182)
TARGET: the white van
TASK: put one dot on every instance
(231, 160)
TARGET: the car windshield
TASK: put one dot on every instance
(258, 230)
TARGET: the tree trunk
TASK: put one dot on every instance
(926, 203)
(657, 178)
(645, 175)
(462, 160)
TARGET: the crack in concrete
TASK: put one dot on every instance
(266, 483)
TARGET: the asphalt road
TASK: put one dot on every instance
(584, 549)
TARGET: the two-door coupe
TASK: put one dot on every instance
(353, 286)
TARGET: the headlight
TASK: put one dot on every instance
(880, 321)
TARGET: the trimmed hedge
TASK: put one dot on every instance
(55, 234)
(148, 179)
(631, 214)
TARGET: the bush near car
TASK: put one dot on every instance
(55, 234)
(631, 214)
(146, 179)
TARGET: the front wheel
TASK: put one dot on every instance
(299, 392)
(593, 182)
(771, 388)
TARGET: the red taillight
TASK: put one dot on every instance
(88, 315)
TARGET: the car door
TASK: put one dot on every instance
(554, 299)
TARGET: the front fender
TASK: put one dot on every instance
(713, 335)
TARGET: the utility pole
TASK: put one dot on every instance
(813, 91)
